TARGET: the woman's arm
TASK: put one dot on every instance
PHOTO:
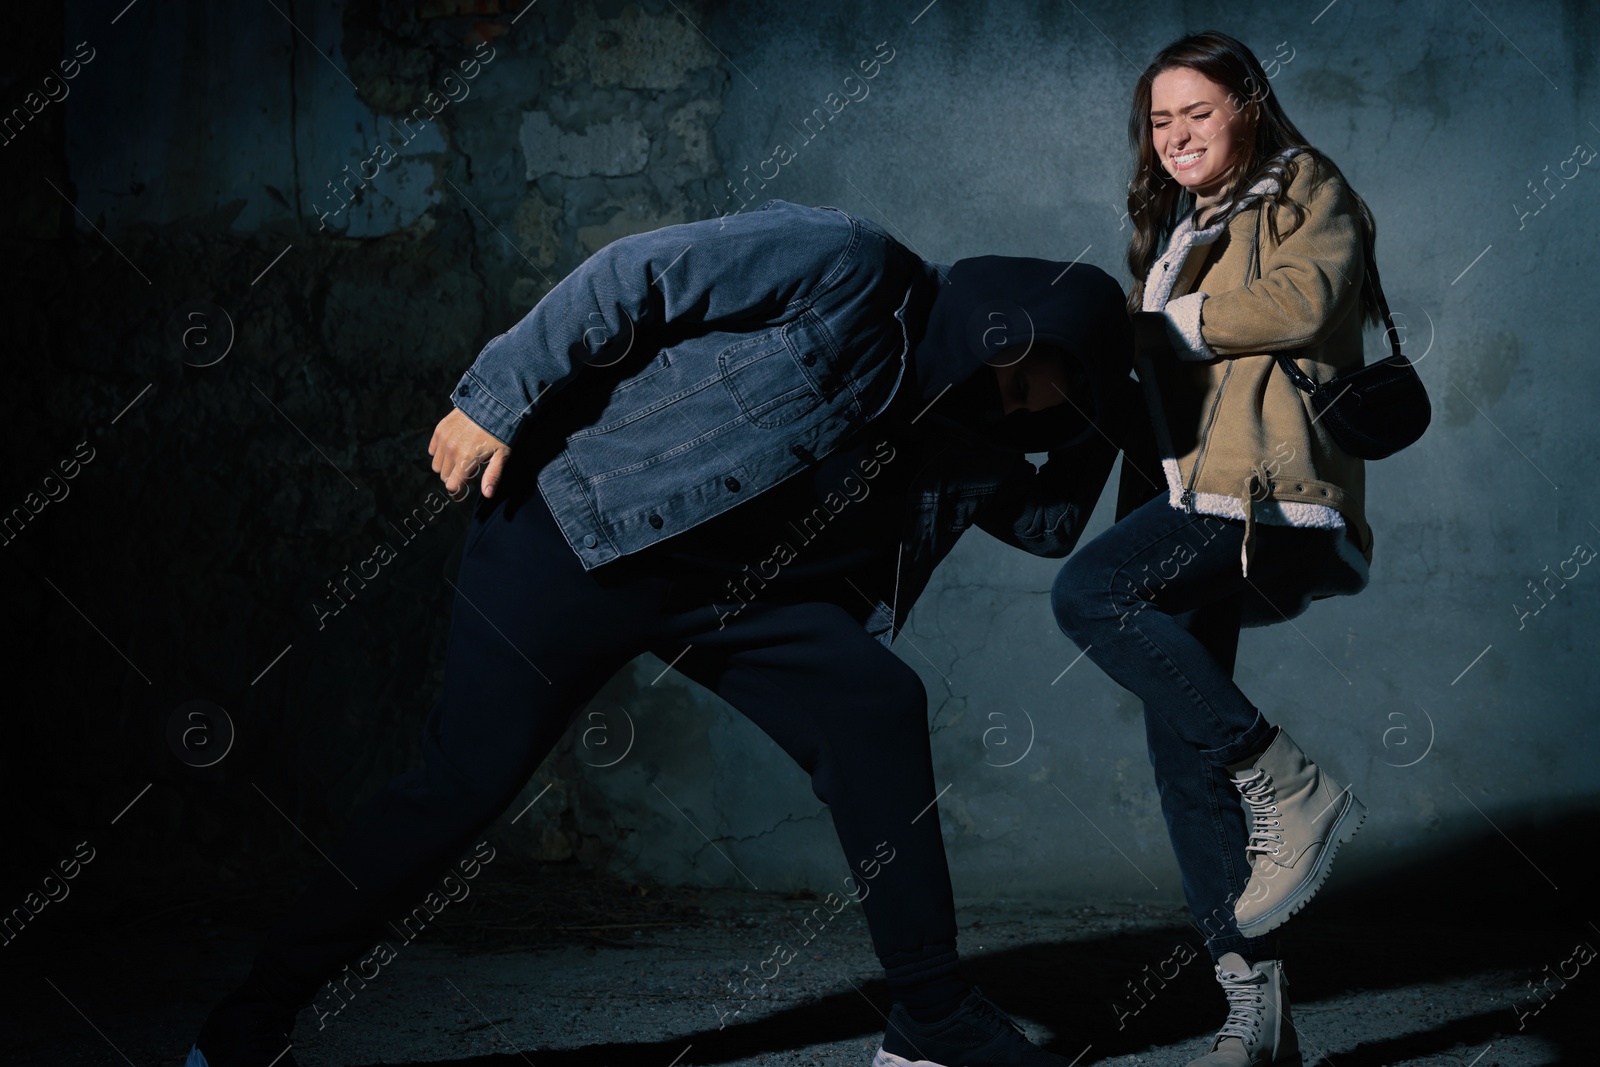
(1307, 284)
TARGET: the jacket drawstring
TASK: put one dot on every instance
(1249, 502)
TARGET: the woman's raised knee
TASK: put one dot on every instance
(1077, 597)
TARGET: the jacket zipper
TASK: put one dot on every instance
(1205, 440)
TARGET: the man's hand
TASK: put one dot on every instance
(460, 448)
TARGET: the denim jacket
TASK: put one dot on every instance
(678, 373)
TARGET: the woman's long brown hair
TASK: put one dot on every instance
(1157, 203)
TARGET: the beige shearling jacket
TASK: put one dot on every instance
(1236, 437)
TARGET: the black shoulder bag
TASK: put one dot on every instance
(1372, 412)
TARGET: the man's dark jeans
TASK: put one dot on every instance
(533, 636)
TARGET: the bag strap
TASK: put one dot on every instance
(1299, 377)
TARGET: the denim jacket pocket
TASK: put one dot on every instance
(766, 380)
(815, 355)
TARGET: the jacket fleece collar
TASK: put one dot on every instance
(1165, 270)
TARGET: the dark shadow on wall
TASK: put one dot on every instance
(208, 541)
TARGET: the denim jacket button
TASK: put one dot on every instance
(732, 484)
(465, 390)
(656, 521)
(808, 358)
(590, 540)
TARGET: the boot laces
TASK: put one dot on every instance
(1266, 829)
(1246, 1004)
(984, 1008)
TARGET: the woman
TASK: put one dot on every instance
(1267, 249)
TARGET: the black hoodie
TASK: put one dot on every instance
(992, 311)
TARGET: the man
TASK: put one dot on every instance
(744, 445)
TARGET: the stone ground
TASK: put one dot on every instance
(558, 967)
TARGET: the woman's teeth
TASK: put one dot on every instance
(1187, 158)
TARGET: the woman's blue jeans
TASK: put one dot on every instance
(1155, 602)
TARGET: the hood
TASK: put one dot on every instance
(991, 311)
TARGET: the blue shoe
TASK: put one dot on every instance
(246, 1029)
(978, 1034)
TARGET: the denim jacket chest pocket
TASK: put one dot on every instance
(816, 356)
(762, 374)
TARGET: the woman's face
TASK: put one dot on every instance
(1194, 129)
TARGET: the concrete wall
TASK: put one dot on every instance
(204, 144)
